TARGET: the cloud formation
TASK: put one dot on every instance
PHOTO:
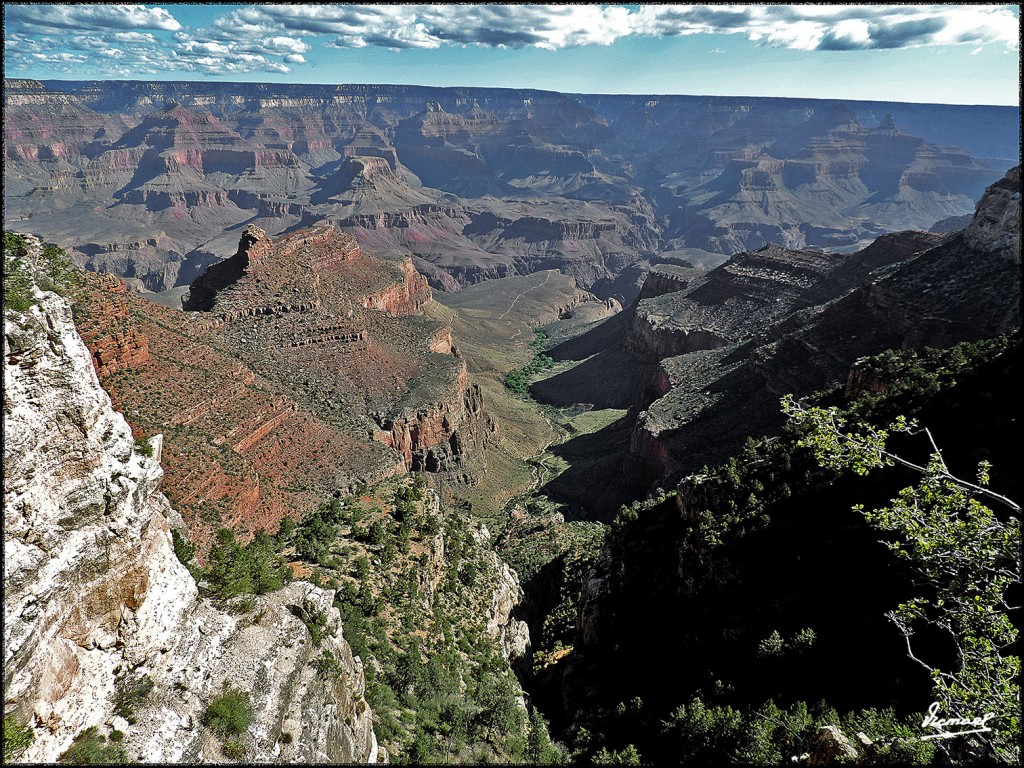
(59, 18)
(803, 27)
(129, 40)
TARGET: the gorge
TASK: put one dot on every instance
(287, 334)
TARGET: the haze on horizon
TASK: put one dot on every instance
(954, 54)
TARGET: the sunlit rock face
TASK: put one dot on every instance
(95, 597)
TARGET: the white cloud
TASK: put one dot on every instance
(210, 47)
(59, 58)
(837, 27)
(803, 27)
(282, 44)
(270, 38)
(90, 17)
(135, 37)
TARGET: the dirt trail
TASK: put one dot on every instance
(523, 293)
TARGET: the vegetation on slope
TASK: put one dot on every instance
(25, 263)
(519, 379)
(753, 564)
(414, 583)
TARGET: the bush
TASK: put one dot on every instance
(91, 748)
(315, 621)
(230, 714)
(236, 570)
(17, 737)
(16, 282)
(518, 380)
(51, 268)
(235, 750)
(131, 691)
(182, 549)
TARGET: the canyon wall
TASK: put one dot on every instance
(96, 602)
(478, 183)
(779, 321)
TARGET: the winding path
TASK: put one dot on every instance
(523, 293)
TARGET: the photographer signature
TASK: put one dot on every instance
(976, 724)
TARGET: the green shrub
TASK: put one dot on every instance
(182, 549)
(253, 569)
(17, 281)
(518, 380)
(230, 714)
(144, 447)
(131, 691)
(17, 737)
(315, 621)
(52, 269)
(235, 750)
(90, 747)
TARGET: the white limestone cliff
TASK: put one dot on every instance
(94, 596)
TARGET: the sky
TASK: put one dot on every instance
(953, 54)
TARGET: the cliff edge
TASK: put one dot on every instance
(98, 610)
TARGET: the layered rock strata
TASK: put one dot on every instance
(478, 183)
(779, 321)
(301, 366)
(96, 602)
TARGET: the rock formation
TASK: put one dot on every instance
(97, 605)
(710, 353)
(302, 366)
(148, 180)
(775, 321)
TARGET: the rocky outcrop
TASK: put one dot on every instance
(438, 436)
(512, 634)
(666, 278)
(115, 340)
(995, 227)
(96, 604)
(798, 322)
(404, 298)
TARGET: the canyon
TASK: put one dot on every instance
(703, 357)
(154, 181)
(295, 304)
(300, 365)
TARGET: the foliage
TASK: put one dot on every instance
(144, 447)
(436, 681)
(49, 266)
(732, 557)
(234, 749)
(230, 714)
(17, 281)
(627, 756)
(90, 747)
(327, 666)
(183, 550)
(17, 737)
(966, 557)
(539, 748)
(317, 529)
(315, 621)
(908, 377)
(131, 691)
(518, 379)
(252, 569)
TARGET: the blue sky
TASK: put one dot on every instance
(958, 54)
